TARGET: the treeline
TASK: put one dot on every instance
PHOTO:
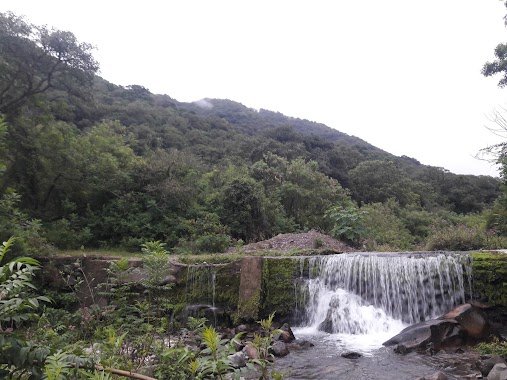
(87, 163)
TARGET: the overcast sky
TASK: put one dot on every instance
(403, 75)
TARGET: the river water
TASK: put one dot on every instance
(324, 361)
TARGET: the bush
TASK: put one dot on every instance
(464, 238)
(65, 235)
(205, 235)
(384, 229)
(493, 348)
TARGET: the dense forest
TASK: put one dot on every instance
(86, 163)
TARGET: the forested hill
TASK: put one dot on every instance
(251, 121)
(86, 162)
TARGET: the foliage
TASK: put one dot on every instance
(35, 59)
(16, 302)
(214, 361)
(348, 223)
(262, 344)
(384, 230)
(496, 347)
(378, 181)
(464, 238)
(205, 235)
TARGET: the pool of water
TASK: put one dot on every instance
(324, 361)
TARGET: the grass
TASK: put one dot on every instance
(210, 258)
(98, 252)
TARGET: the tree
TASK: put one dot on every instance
(377, 181)
(499, 65)
(34, 59)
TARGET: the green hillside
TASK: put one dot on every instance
(88, 163)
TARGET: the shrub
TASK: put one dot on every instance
(493, 348)
(457, 238)
(384, 230)
(65, 235)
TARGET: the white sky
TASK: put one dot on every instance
(403, 75)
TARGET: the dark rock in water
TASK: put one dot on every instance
(420, 335)
(279, 349)
(499, 372)
(436, 376)
(487, 365)
(217, 316)
(351, 355)
(300, 344)
(465, 324)
(286, 335)
(328, 325)
(472, 320)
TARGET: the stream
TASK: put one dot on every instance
(324, 362)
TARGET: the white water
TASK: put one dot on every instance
(363, 300)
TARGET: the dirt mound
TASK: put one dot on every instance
(307, 240)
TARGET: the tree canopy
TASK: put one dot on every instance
(35, 59)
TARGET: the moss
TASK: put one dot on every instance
(490, 277)
(227, 286)
(278, 293)
(248, 309)
(201, 290)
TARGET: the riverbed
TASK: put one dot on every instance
(324, 361)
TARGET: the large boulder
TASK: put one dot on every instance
(421, 335)
(462, 325)
(472, 320)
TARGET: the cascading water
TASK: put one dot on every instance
(378, 294)
(200, 291)
(355, 302)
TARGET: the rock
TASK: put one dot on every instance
(279, 349)
(328, 324)
(465, 324)
(351, 355)
(251, 352)
(286, 335)
(487, 365)
(499, 372)
(436, 376)
(472, 320)
(300, 345)
(401, 349)
(422, 334)
(241, 328)
(238, 359)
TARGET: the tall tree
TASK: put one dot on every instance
(34, 59)
(499, 65)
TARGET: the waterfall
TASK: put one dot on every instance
(201, 285)
(373, 293)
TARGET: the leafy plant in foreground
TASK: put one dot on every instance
(262, 343)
